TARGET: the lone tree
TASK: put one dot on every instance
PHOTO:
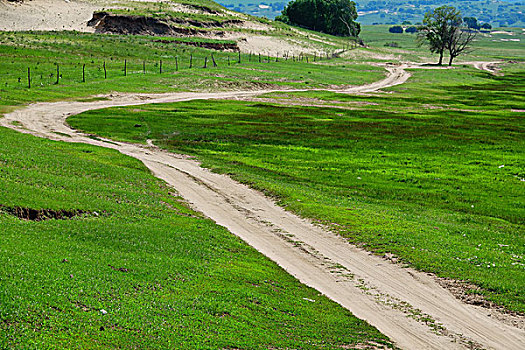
(335, 17)
(441, 29)
(459, 42)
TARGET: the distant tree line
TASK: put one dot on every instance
(399, 29)
(336, 17)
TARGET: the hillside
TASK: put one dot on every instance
(196, 18)
(497, 12)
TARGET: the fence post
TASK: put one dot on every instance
(105, 72)
(191, 60)
(58, 74)
(84, 73)
(160, 67)
(239, 56)
(125, 67)
(259, 57)
(29, 77)
(176, 63)
(143, 67)
(228, 60)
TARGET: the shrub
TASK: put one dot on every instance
(396, 29)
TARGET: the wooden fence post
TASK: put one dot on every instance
(191, 60)
(125, 67)
(58, 74)
(84, 73)
(176, 63)
(105, 72)
(160, 67)
(239, 56)
(143, 67)
(29, 78)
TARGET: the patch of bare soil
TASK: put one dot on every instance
(207, 45)
(46, 15)
(41, 214)
(471, 294)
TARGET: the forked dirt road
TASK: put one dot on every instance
(406, 305)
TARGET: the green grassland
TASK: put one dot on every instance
(427, 173)
(166, 277)
(370, 173)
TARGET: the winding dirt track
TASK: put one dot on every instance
(396, 300)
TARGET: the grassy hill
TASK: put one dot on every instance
(496, 12)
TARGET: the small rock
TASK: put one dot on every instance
(103, 312)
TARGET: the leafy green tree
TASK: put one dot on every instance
(471, 22)
(411, 30)
(486, 26)
(396, 29)
(438, 27)
(335, 17)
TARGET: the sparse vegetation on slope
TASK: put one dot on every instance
(142, 56)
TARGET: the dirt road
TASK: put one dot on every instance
(406, 305)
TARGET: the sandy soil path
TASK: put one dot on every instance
(406, 305)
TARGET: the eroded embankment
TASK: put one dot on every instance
(408, 306)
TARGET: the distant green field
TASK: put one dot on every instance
(427, 173)
(501, 43)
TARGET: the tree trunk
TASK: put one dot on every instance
(440, 58)
(450, 61)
